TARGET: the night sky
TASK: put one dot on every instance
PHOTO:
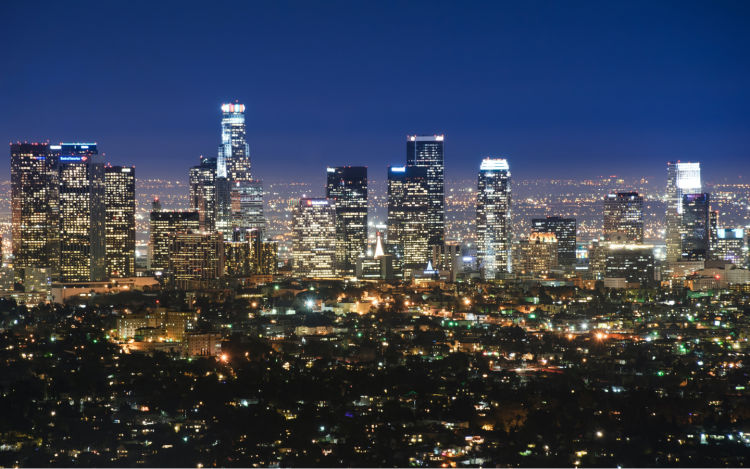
(566, 89)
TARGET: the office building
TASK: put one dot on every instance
(346, 187)
(695, 227)
(119, 202)
(408, 218)
(35, 207)
(314, 244)
(682, 178)
(82, 213)
(233, 162)
(564, 230)
(250, 256)
(164, 225)
(246, 207)
(196, 259)
(729, 246)
(428, 152)
(623, 214)
(537, 256)
(632, 262)
(203, 192)
(493, 218)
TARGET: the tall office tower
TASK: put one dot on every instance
(82, 213)
(164, 225)
(119, 202)
(264, 255)
(729, 246)
(203, 192)
(537, 255)
(196, 259)
(695, 229)
(34, 206)
(713, 227)
(314, 243)
(408, 218)
(233, 162)
(623, 217)
(427, 152)
(632, 262)
(493, 218)
(246, 207)
(347, 188)
(682, 178)
(565, 232)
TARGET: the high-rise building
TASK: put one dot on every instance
(564, 230)
(246, 206)
(682, 178)
(538, 255)
(314, 244)
(494, 217)
(623, 214)
(82, 213)
(632, 262)
(196, 259)
(119, 202)
(35, 207)
(164, 225)
(408, 218)
(729, 246)
(203, 192)
(233, 162)
(713, 227)
(250, 256)
(695, 227)
(346, 186)
(428, 152)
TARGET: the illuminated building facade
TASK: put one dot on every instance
(408, 218)
(203, 192)
(82, 213)
(695, 227)
(729, 245)
(493, 218)
(196, 259)
(246, 206)
(233, 162)
(682, 178)
(164, 224)
(35, 207)
(428, 152)
(564, 230)
(633, 262)
(537, 256)
(314, 243)
(623, 214)
(251, 256)
(119, 201)
(346, 187)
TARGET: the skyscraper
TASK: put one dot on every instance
(82, 213)
(493, 217)
(408, 218)
(346, 186)
(623, 217)
(203, 192)
(682, 178)
(565, 232)
(164, 225)
(119, 201)
(427, 152)
(247, 206)
(233, 162)
(34, 207)
(729, 245)
(196, 259)
(314, 243)
(695, 227)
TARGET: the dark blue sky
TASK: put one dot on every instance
(567, 89)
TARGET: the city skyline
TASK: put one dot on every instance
(566, 86)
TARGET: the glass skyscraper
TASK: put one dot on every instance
(119, 196)
(623, 217)
(493, 218)
(203, 192)
(565, 232)
(346, 186)
(682, 178)
(82, 213)
(695, 227)
(233, 162)
(408, 218)
(428, 152)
